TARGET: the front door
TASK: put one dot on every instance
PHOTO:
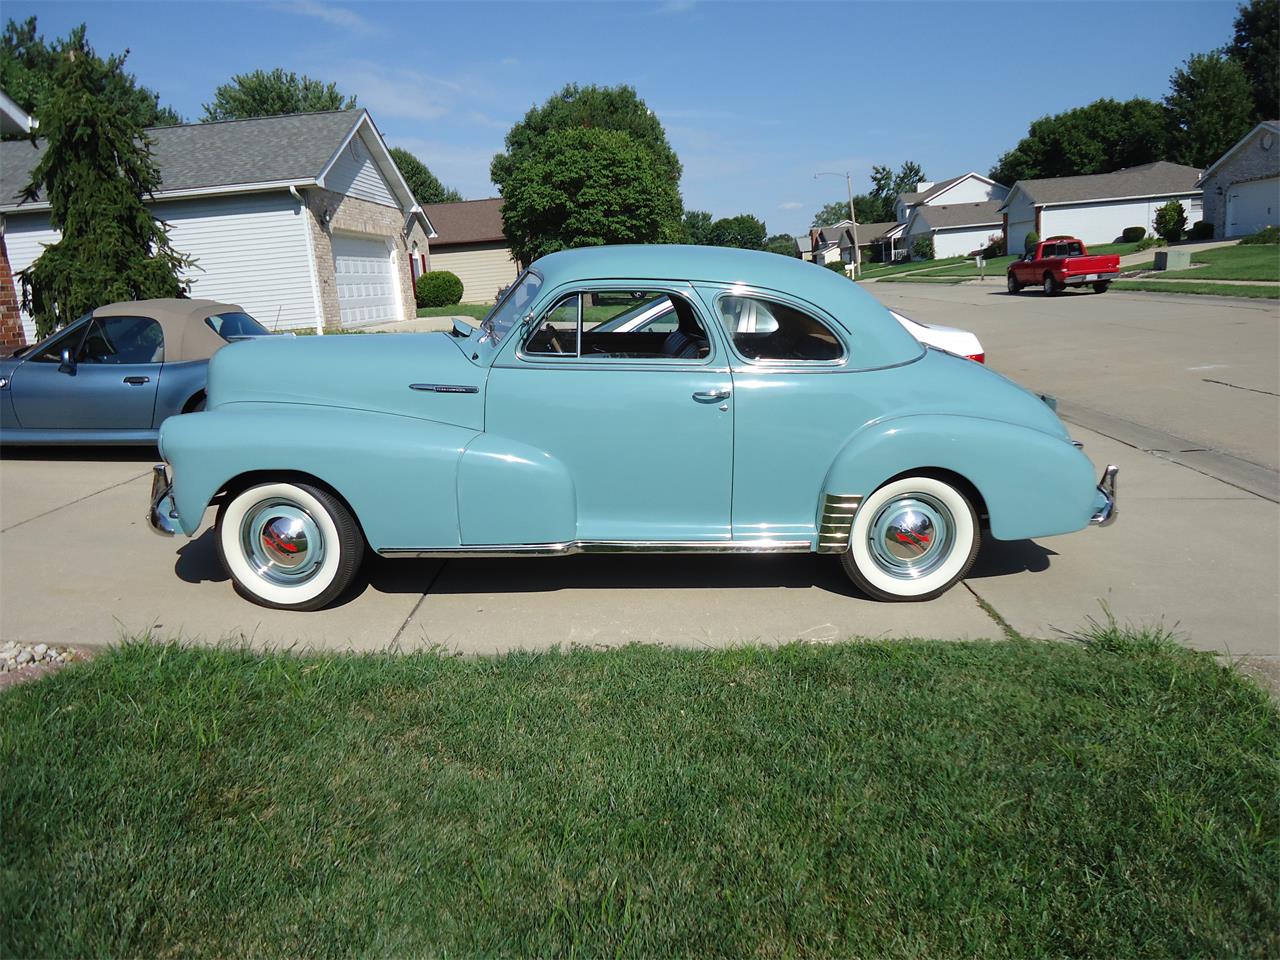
(642, 419)
(110, 386)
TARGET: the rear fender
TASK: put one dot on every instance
(1033, 484)
(398, 474)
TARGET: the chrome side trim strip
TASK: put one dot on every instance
(444, 387)
(570, 547)
(837, 520)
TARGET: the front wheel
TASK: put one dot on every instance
(1050, 285)
(290, 546)
(913, 539)
(1101, 286)
(1013, 284)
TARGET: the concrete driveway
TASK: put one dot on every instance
(78, 564)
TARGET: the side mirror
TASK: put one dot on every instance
(68, 364)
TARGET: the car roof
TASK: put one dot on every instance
(186, 335)
(878, 340)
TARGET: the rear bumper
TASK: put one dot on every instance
(1081, 279)
(1106, 511)
(162, 517)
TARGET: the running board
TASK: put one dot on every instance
(602, 546)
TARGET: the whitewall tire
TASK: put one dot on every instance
(913, 539)
(290, 546)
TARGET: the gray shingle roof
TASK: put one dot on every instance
(1147, 180)
(207, 155)
(939, 216)
(870, 232)
(923, 196)
(803, 243)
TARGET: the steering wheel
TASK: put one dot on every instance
(553, 341)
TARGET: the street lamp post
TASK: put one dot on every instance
(853, 218)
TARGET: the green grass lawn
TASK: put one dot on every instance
(1117, 248)
(1109, 798)
(1249, 262)
(994, 268)
(1216, 289)
(872, 271)
(477, 311)
(923, 278)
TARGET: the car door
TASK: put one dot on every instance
(110, 385)
(642, 420)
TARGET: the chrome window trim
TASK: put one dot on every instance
(721, 290)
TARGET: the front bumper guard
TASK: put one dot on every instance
(163, 515)
(1106, 514)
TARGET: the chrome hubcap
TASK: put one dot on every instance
(282, 542)
(911, 536)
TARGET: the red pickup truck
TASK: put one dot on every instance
(1060, 262)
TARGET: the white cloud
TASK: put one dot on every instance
(399, 91)
(790, 205)
(337, 16)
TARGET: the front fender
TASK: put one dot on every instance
(398, 474)
(1034, 484)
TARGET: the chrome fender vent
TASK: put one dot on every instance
(837, 519)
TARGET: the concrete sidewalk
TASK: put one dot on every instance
(78, 564)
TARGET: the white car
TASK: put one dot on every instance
(658, 315)
(951, 339)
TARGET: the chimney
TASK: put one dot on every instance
(923, 185)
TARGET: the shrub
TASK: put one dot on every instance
(1133, 234)
(922, 249)
(995, 246)
(1146, 243)
(1171, 221)
(439, 288)
(1029, 241)
(1265, 235)
(838, 266)
(1201, 230)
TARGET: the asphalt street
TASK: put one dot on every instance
(1141, 380)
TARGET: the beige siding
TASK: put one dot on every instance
(483, 268)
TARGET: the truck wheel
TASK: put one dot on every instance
(1014, 285)
(289, 546)
(913, 539)
(1101, 286)
(1050, 286)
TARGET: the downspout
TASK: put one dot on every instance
(316, 303)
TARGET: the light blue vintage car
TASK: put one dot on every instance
(553, 430)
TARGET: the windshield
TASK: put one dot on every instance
(513, 306)
(230, 326)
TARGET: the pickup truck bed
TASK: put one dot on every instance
(1061, 262)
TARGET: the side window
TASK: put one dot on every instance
(68, 340)
(123, 340)
(557, 334)
(767, 330)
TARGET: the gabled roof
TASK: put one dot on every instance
(944, 215)
(938, 189)
(467, 221)
(1157, 179)
(870, 232)
(13, 119)
(232, 156)
(1271, 125)
(804, 243)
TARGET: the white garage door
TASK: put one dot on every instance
(367, 289)
(1252, 206)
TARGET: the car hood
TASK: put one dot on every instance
(422, 375)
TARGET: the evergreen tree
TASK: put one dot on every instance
(95, 173)
(425, 185)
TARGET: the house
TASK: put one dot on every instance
(1097, 207)
(967, 188)
(836, 242)
(957, 229)
(804, 247)
(470, 243)
(1242, 187)
(303, 219)
(13, 119)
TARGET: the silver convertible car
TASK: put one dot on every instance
(118, 372)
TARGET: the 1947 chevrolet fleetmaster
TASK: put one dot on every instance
(773, 407)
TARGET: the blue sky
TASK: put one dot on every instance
(755, 97)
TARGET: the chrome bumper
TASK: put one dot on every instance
(1106, 514)
(163, 515)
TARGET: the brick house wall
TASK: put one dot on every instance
(11, 334)
(349, 214)
(1249, 162)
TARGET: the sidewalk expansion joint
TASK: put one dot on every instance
(72, 503)
(1005, 627)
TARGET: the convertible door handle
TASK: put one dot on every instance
(137, 381)
(711, 396)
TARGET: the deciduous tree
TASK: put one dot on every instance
(1210, 107)
(272, 93)
(425, 185)
(743, 231)
(96, 172)
(781, 243)
(695, 227)
(1256, 47)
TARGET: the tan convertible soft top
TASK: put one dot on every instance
(186, 335)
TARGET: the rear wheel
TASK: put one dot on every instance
(1013, 284)
(1050, 285)
(913, 539)
(1101, 286)
(290, 546)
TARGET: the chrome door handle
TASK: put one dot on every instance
(137, 381)
(711, 396)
